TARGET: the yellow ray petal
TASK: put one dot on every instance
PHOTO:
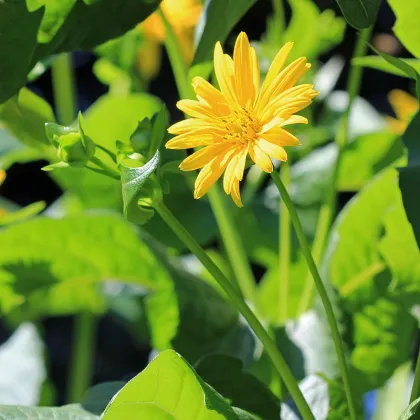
(210, 174)
(229, 176)
(403, 104)
(255, 72)
(190, 140)
(280, 136)
(195, 109)
(193, 124)
(235, 194)
(2, 176)
(202, 157)
(208, 94)
(294, 119)
(243, 70)
(272, 149)
(224, 74)
(260, 158)
(240, 167)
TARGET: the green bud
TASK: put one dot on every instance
(75, 148)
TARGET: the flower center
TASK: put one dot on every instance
(241, 126)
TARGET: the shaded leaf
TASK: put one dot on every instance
(359, 13)
(66, 412)
(98, 397)
(168, 389)
(217, 20)
(225, 374)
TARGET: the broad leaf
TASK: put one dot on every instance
(377, 63)
(243, 390)
(359, 13)
(168, 389)
(17, 45)
(57, 268)
(66, 412)
(406, 27)
(216, 22)
(409, 177)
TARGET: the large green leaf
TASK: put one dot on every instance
(66, 412)
(56, 269)
(409, 177)
(381, 322)
(17, 44)
(217, 20)
(377, 63)
(225, 375)
(407, 24)
(168, 389)
(359, 13)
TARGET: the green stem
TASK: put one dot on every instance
(279, 15)
(233, 244)
(108, 152)
(107, 169)
(243, 308)
(332, 321)
(329, 207)
(63, 88)
(82, 356)
(253, 181)
(178, 65)
(230, 235)
(415, 391)
(284, 249)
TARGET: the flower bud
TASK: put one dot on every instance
(75, 148)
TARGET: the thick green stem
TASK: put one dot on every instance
(415, 391)
(328, 209)
(332, 321)
(278, 10)
(63, 88)
(284, 249)
(82, 356)
(230, 235)
(269, 345)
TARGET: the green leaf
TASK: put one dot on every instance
(17, 45)
(406, 27)
(225, 374)
(411, 410)
(409, 176)
(25, 116)
(138, 190)
(57, 269)
(168, 389)
(98, 397)
(66, 412)
(378, 63)
(359, 13)
(216, 22)
(22, 214)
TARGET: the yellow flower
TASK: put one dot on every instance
(183, 16)
(404, 106)
(240, 119)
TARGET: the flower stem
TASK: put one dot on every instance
(278, 10)
(269, 345)
(82, 356)
(332, 321)
(108, 170)
(230, 235)
(63, 88)
(253, 182)
(328, 209)
(284, 249)
(415, 391)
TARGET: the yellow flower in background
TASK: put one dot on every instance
(404, 106)
(240, 118)
(2, 178)
(183, 16)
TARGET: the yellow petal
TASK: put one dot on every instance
(195, 109)
(240, 167)
(295, 119)
(235, 194)
(229, 176)
(193, 124)
(190, 140)
(211, 173)
(202, 157)
(280, 136)
(2, 176)
(260, 158)
(403, 104)
(255, 72)
(243, 67)
(224, 73)
(272, 149)
(208, 94)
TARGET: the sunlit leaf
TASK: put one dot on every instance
(22, 214)
(66, 412)
(378, 63)
(168, 389)
(359, 13)
(411, 410)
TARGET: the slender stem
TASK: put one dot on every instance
(175, 57)
(415, 391)
(233, 244)
(329, 207)
(108, 152)
(332, 321)
(107, 169)
(284, 249)
(102, 172)
(279, 15)
(269, 345)
(63, 88)
(253, 182)
(82, 356)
